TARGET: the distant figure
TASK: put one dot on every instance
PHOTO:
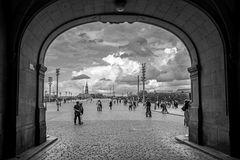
(110, 104)
(125, 102)
(130, 105)
(78, 112)
(58, 103)
(99, 105)
(148, 109)
(185, 108)
(158, 104)
(155, 105)
(164, 107)
(175, 103)
(134, 105)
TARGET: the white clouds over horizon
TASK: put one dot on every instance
(115, 52)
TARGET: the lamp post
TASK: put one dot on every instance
(50, 84)
(45, 99)
(143, 80)
(57, 74)
(137, 89)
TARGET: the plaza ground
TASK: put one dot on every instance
(115, 134)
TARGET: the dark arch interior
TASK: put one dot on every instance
(203, 27)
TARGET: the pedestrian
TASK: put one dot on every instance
(175, 103)
(110, 104)
(78, 112)
(58, 103)
(130, 105)
(158, 104)
(148, 108)
(125, 102)
(185, 108)
(164, 107)
(134, 105)
(99, 104)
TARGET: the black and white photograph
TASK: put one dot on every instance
(119, 80)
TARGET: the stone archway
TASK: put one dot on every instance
(209, 113)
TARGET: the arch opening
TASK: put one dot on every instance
(200, 35)
(107, 55)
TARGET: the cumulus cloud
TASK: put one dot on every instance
(81, 76)
(104, 79)
(136, 47)
(113, 53)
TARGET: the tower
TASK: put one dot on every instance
(86, 88)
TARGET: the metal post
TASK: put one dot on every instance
(113, 91)
(57, 74)
(50, 84)
(143, 80)
(137, 89)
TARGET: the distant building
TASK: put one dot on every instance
(86, 89)
(86, 93)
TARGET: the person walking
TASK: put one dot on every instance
(78, 112)
(164, 107)
(185, 108)
(58, 103)
(99, 105)
(134, 105)
(175, 103)
(148, 108)
(110, 104)
(130, 105)
(155, 105)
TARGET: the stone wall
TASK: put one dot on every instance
(209, 115)
(2, 74)
(25, 122)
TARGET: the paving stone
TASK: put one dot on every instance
(109, 136)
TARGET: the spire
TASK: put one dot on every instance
(86, 88)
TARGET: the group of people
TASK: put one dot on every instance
(59, 102)
(132, 105)
(165, 104)
(78, 110)
(99, 105)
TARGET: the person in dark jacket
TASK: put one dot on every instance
(148, 109)
(110, 105)
(78, 112)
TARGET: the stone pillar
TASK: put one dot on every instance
(195, 123)
(40, 109)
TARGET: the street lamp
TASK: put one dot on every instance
(120, 5)
(50, 84)
(57, 74)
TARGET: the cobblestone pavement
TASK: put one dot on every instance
(116, 135)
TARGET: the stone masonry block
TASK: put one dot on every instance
(151, 7)
(140, 6)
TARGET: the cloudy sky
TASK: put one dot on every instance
(104, 55)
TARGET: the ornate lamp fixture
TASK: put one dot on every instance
(120, 5)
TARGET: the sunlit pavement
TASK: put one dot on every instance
(116, 134)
